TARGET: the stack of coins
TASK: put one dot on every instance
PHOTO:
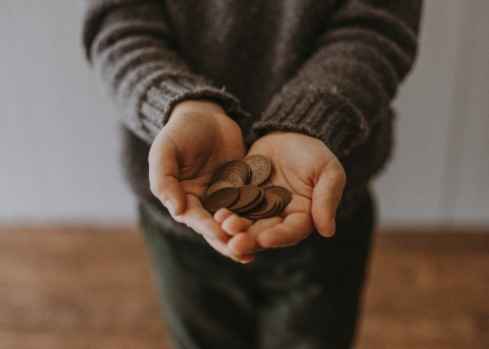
(240, 186)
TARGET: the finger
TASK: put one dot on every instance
(218, 246)
(243, 244)
(326, 197)
(293, 229)
(222, 214)
(223, 249)
(247, 259)
(201, 221)
(230, 222)
(164, 174)
(234, 224)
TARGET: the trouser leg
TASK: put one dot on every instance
(203, 295)
(306, 296)
(310, 293)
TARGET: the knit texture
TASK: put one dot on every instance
(328, 69)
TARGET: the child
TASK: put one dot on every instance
(306, 83)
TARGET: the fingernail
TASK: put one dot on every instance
(330, 232)
(170, 206)
(247, 259)
(333, 229)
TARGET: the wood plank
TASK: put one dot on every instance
(427, 290)
(92, 285)
(80, 340)
(83, 287)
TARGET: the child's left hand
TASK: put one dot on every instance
(316, 178)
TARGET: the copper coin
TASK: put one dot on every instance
(224, 197)
(266, 209)
(261, 168)
(218, 185)
(277, 198)
(236, 172)
(284, 194)
(248, 195)
(253, 204)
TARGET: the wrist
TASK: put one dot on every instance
(281, 134)
(206, 118)
(197, 106)
(281, 137)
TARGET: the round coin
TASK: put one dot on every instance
(218, 185)
(247, 196)
(224, 197)
(236, 172)
(261, 168)
(284, 194)
(266, 209)
(253, 204)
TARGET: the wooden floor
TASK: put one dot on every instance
(92, 288)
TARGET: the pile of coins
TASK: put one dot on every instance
(240, 186)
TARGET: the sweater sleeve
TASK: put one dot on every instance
(129, 45)
(347, 84)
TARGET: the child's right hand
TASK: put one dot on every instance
(197, 139)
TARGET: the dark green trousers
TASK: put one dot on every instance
(306, 296)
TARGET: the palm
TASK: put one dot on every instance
(195, 170)
(198, 138)
(299, 164)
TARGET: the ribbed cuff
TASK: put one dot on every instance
(324, 115)
(160, 99)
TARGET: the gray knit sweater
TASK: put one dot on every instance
(328, 69)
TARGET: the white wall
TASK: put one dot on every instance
(440, 170)
(58, 134)
(59, 141)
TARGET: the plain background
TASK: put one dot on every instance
(59, 145)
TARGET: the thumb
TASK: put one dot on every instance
(326, 197)
(164, 175)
